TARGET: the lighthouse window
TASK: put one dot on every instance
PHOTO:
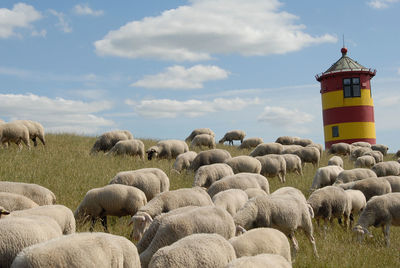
(351, 87)
(335, 131)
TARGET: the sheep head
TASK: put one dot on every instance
(141, 222)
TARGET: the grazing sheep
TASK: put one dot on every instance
(108, 139)
(340, 148)
(183, 161)
(388, 168)
(199, 131)
(208, 219)
(380, 147)
(244, 163)
(261, 240)
(168, 149)
(369, 187)
(250, 143)
(273, 165)
(233, 135)
(308, 155)
(209, 157)
(151, 181)
(325, 176)
(293, 164)
(289, 149)
(394, 182)
(267, 148)
(203, 140)
(165, 202)
(302, 142)
(12, 202)
(128, 147)
(361, 144)
(380, 211)
(239, 181)
(35, 129)
(356, 203)
(231, 200)
(356, 152)
(318, 146)
(335, 161)
(253, 192)
(196, 250)
(287, 140)
(111, 200)
(16, 133)
(365, 161)
(354, 174)
(208, 174)
(80, 250)
(260, 261)
(376, 154)
(39, 194)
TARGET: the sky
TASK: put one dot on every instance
(163, 68)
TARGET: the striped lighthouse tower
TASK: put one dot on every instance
(347, 105)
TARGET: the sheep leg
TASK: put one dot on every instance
(104, 223)
(295, 244)
(42, 140)
(312, 240)
(386, 233)
(34, 141)
(283, 176)
(92, 224)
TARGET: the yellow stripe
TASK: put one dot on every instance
(354, 130)
(335, 99)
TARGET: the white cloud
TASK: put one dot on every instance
(41, 33)
(167, 108)
(178, 77)
(205, 27)
(381, 4)
(84, 9)
(56, 114)
(21, 16)
(62, 22)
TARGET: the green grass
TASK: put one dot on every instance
(65, 167)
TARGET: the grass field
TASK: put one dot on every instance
(65, 167)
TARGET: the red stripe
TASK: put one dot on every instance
(335, 81)
(328, 144)
(348, 114)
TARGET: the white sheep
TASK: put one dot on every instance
(233, 135)
(168, 149)
(286, 140)
(302, 142)
(231, 200)
(209, 157)
(244, 163)
(260, 261)
(361, 144)
(151, 181)
(273, 165)
(388, 168)
(356, 152)
(354, 174)
(253, 192)
(250, 143)
(12, 202)
(394, 182)
(111, 200)
(199, 131)
(80, 250)
(16, 133)
(308, 155)
(267, 148)
(318, 146)
(130, 147)
(203, 140)
(335, 161)
(380, 211)
(108, 139)
(364, 161)
(325, 176)
(356, 203)
(196, 250)
(35, 129)
(376, 154)
(380, 147)
(340, 148)
(183, 161)
(293, 164)
(369, 186)
(208, 174)
(39, 194)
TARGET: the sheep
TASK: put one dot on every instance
(203, 140)
(232, 135)
(199, 131)
(308, 155)
(302, 142)
(183, 161)
(239, 181)
(273, 165)
(209, 219)
(380, 147)
(354, 174)
(364, 161)
(250, 143)
(380, 211)
(394, 182)
(289, 149)
(253, 192)
(80, 250)
(108, 139)
(260, 261)
(165, 202)
(318, 146)
(267, 148)
(196, 250)
(356, 152)
(325, 176)
(335, 161)
(287, 140)
(388, 168)
(340, 148)
(361, 144)
(168, 149)
(356, 203)
(369, 186)
(261, 240)
(209, 157)
(208, 174)
(375, 154)
(35, 129)
(12, 202)
(110, 200)
(39, 194)
(151, 181)
(128, 147)
(244, 163)
(293, 164)
(16, 133)
(231, 200)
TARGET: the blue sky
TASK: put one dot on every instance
(162, 68)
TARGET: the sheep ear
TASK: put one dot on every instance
(240, 229)
(139, 218)
(148, 218)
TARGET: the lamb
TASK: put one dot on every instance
(380, 147)
(354, 174)
(388, 168)
(151, 181)
(35, 129)
(110, 200)
(231, 200)
(335, 161)
(168, 149)
(260, 261)
(358, 151)
(209, 157)
(267, 148)
(302, 142)
(394, 182)
(369, 187)
(293, 164)
(203, 140)
(196, 250)
(239, 181)
(356, 203)
(261, 240)
(39, 194)
(253, 192)
(308, 155)
(250, 143)
(340, 148)
(380, 211)
(325, 176)
(183, 161)
(376, 154)
(232, 135)
(165, 202)
(365, 161)
(108, 139)
(199, 131)
(290, 149)
(208, 174)
(244, 163)
(361, 144)
(80, 250)
(16, 133)
(12, 202)
(273, 165)
(287, 140)
(128, 147)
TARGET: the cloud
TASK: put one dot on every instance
(57, 115)
(21, 16)
(177, 77)
(41, 33)
(381, 4)
(62, 22)
(167, 108)
(84, 9)
(194, 32)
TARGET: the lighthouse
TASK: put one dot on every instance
(347, 105)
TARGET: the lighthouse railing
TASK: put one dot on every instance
(372, 71)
